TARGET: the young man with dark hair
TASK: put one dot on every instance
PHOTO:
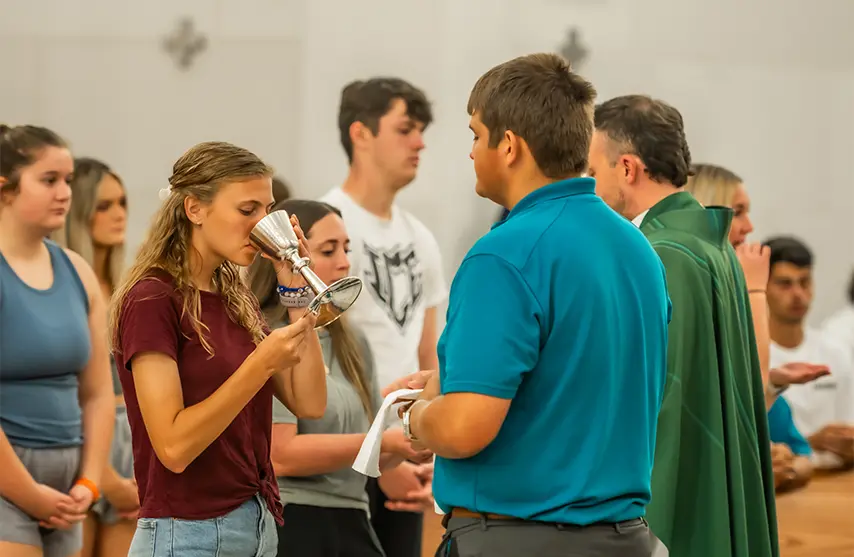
(822, 410)
(382, 122)
(712, 483)
(542, 422)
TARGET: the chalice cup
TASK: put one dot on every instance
(274, 236)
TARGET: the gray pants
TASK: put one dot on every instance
(57, 468)
(482, 537)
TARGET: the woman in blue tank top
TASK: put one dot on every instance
(95, 229)
(54, 364)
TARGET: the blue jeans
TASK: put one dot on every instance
(247, 531)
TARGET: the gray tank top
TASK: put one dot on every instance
(44, 345)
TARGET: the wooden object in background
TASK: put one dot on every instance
(816, 521)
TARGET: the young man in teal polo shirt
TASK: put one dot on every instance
(552, 362)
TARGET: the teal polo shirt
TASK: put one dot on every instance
(561, 308)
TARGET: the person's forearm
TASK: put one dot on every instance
(308, 381)
(428, 358)
(312, 454)
(99, 418)
(196, 427)
(16, 483)
(445, 437)
(110, 481)
(759, 309)
(389, 461)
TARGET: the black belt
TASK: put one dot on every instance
(457, 512)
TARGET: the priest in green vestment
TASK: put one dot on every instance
(712, 480)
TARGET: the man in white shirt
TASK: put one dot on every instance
(382, 122)
(822, 409)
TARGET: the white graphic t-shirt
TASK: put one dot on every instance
(400, 265)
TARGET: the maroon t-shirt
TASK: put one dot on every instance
(237, 464)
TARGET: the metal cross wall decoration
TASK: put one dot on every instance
(185, 43)
(573, 50)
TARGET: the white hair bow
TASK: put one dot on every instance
(164, 193)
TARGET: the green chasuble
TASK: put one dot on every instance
(712, 481)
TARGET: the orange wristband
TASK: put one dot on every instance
(90, 485)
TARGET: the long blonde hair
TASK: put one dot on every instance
(713, 185)
(77, 233)
(346, 348)
(199, 173)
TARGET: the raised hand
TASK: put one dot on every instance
(283, 346)
(284, 269)
(755, 261)
(797, 373)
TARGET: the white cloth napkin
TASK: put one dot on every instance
(368, 460)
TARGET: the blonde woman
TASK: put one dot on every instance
(56, 404)
(714, 185)
(95, 229)
(199, 368)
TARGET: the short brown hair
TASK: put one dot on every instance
(541, 100)
(651, 129)
(368, 101)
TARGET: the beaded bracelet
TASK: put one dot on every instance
(295, 291)
(294, 297)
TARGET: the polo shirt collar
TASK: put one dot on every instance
(551, 192)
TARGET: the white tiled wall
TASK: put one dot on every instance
(766, 88)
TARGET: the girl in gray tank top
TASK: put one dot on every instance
(56, 411)
(326, 505)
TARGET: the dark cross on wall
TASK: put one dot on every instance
(573, 49)
(185, 43)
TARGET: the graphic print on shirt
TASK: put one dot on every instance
(394, 277)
